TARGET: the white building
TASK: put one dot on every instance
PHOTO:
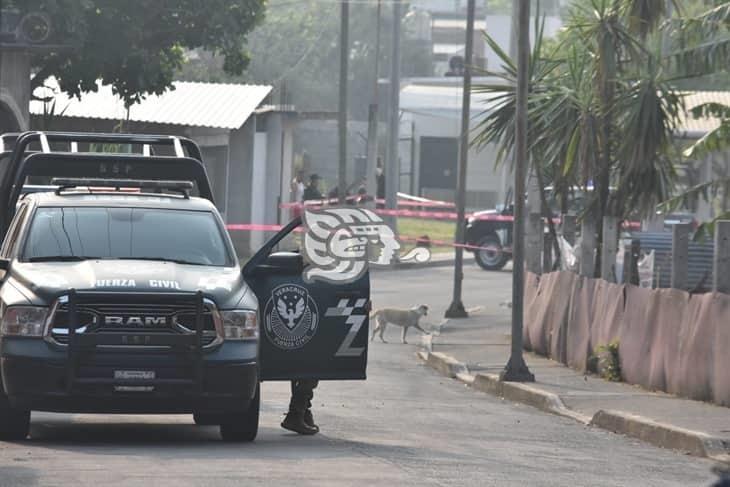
(429, 147)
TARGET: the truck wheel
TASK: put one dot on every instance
(242, 426)
(14, 423)
(494, 257)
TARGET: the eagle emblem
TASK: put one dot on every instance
(290, 313)
(291, 317)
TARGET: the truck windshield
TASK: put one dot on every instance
(79, 233)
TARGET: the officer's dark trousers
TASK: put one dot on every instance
(302, 392)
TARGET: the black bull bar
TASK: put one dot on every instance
(189, 345)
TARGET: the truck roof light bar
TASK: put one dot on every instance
(183, 187)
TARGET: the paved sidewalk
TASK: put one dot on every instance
(476, 349)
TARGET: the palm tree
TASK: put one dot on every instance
(600, 110)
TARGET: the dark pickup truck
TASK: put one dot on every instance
(120, 291)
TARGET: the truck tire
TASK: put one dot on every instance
(14, 423)
(493, 259)
(243, 426)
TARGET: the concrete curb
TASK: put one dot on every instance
(658, 434)
(527, 394)
(490, 383)
(663, 435)
(446, 365)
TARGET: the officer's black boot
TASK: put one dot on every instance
(309, 419)
(295, 421)
(299, 418)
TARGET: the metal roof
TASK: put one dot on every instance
(216, 105)
(698, 127)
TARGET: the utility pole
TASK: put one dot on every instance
(342, 107)
(516, 369)
(392, 165)
(513, 29)
(372, 144)
(456, 308)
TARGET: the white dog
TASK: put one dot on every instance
(404, 318)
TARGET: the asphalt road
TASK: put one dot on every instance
(403, 426)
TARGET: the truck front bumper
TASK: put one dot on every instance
(36, 376)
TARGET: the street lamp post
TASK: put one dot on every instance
(516, 369)
(372, 143)
(456, 308)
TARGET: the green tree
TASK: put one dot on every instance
(295, 49)
(137, 45)
(703, 52)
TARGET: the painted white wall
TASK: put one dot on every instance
(481, 172)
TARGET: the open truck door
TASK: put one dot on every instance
(313, 330)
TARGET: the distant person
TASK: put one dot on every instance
(456, 66)
(311, 192)
(379, 183)
(362, 193)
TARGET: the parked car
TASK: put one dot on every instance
(489, 232)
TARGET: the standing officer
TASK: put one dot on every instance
(299, 418)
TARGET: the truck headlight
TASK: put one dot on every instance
(28, 321)
(240, 324)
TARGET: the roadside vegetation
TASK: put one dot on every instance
(605, 362)
(606, 99)
(138, 47)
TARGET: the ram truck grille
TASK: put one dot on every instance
(129, 316)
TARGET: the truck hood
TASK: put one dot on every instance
(42, 282)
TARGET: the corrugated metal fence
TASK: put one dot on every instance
(699, 263)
